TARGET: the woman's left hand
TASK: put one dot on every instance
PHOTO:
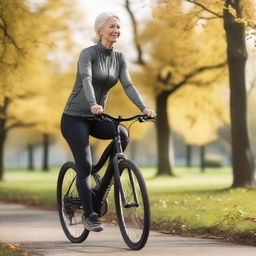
(149, 112)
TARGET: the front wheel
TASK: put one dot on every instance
(133, 213)
(69, 205)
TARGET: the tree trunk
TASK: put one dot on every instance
(236, 53)
(188, 155)
(30, 157)
(46, 143)
(2, 142)
(3, 134)
(163, 135)
(202, 158)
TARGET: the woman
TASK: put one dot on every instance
(99, 68)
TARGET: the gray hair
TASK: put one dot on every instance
(99, 22)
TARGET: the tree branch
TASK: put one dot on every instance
(209, 82)
(19, 124)
(14, 65)
(140, 59)
(192, 74)
(26, 95)
(208, 18)
(4, 29)
(205, 8)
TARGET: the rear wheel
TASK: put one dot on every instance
(69, 205)
(133, 215)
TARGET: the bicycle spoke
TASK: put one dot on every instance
(75, 225)
(70, 210)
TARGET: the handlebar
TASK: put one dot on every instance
(140, 117)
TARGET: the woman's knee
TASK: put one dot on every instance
(124, 135)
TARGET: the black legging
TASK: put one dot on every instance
(76, 131)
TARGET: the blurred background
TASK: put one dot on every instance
(181, 59)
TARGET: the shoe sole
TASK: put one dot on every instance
(98, 229)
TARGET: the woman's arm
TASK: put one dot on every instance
(128, 86)
(85, 72)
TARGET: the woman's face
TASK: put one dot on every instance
(110, 31)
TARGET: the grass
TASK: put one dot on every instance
(194, 201)
(37, 188)
(189, 203)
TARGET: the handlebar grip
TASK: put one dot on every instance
(145, 118)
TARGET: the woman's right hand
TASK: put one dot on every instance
(96, 109)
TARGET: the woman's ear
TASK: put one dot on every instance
(100, 31)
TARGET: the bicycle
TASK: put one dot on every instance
(130, 192)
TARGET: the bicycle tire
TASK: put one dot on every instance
(132, 219)
(75, 232)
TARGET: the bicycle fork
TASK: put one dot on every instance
(118, 157)
(116, 160)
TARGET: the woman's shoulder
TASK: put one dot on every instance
(88, 51)
(119, 54)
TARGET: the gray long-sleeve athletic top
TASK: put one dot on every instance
(98, 70)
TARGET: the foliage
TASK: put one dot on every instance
(199, 117)
(120, 104)
(179, 50)
(33, 76)
(29, 61)
(15, 46)
(12, 250)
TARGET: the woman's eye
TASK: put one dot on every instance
(113, 26)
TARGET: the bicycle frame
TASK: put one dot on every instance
(119, 155)
(130, 191)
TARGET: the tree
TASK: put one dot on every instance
(22, 48)
(14, 46)
(234, 26)
(237, 55)
(173, 63)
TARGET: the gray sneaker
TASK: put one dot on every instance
(92, 223)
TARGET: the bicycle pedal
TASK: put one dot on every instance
(130, 205)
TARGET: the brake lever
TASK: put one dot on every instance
(103, 117)
(141, 119)
(146, 119)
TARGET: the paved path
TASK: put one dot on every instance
(40, 231)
